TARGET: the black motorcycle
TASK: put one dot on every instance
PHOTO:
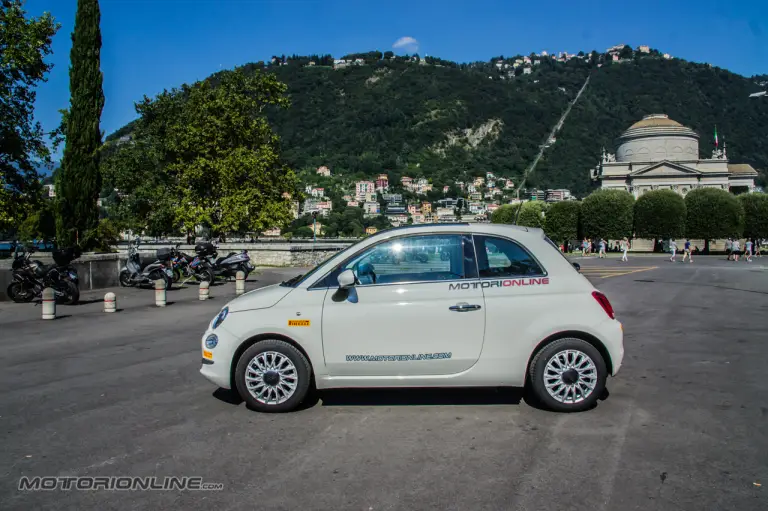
(30, 277)
(226, 266)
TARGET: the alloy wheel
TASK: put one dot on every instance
(271, 378)
(570, 376)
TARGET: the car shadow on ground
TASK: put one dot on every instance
(421, 396)
(397, 397)
(409, 397)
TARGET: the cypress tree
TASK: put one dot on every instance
(79, 182)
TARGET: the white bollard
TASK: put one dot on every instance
(160, 293)
(240, 283)
(49, 303)
(110, 302)
(204, 290)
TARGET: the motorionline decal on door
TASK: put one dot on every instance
(543, 281)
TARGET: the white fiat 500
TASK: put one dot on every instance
(450, 305)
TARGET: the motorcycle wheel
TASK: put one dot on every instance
(158, 275)
(206, 276)
(70, 294)
(18, 294)
(176, 275)
(125, 279)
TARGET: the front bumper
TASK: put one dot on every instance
(217, 362)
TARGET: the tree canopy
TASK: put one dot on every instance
(24, 43)
(607, 214)
(562, 221)
(713, 214)
(755, 206)
(79, 181)
(204, 155)
(660, 214)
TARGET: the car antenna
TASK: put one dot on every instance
(517, 215)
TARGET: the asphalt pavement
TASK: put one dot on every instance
(683, 426)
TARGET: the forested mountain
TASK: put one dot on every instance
(448, 121)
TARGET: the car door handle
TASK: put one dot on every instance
(464, 307)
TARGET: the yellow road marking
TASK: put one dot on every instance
(627, 273)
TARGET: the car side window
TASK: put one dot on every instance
(428, 258)
(500, 257)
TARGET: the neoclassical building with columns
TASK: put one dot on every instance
(658, 153)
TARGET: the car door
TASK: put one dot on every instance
(417, 309)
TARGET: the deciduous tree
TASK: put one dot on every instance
(712, 214)
(562, 221)
(755, 206)
(607, 214)
(660, 214)
(24, 44)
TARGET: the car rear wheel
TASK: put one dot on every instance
(272, 376)
(568, 375)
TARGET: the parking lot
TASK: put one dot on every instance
(683, 426)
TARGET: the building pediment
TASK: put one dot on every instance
(665, 168)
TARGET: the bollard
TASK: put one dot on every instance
(240, 283)
(160, 293)
(110, 302)
(49, 303)
(204, 290)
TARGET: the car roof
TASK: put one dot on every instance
(476, 228)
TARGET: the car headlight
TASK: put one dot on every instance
(211, 341)
(221, 317)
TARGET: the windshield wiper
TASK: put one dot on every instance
(292, 280)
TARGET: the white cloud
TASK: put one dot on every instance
(407, 43)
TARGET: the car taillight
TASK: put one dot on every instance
(604, 303)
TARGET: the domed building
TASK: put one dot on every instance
(659, 153)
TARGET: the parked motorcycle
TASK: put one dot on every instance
(226, 266)
(30, 277)
(187, 266)
(135, 274)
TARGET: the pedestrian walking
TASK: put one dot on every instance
(584, 247)
(728, 249)
(601, 248)
(687, 251)
(673, 250)
(757, 249)
(735, 249)
(748, 251)
(624, 248)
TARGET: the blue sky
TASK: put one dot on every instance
(150, 45)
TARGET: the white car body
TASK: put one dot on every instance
(405, 334)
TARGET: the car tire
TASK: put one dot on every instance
(297, 368)
(568, 375)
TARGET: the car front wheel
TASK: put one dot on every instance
(272, 376)
(568, 375)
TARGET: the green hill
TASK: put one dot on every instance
(448, 121)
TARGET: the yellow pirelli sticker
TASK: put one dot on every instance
(207, 354)
(298, 322)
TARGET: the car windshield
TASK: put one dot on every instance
(298, 279)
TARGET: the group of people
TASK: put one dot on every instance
(687, 252)
(600, 246)
(733, 250)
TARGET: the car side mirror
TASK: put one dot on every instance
(346, 279)
(577, 266)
